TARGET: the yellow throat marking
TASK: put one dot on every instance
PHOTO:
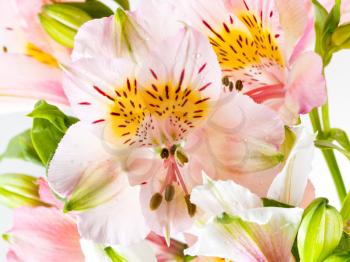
(41, 56)
(237, 49)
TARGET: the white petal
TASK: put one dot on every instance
(263, 234)
(119, 221)
(216, 197)
(289, 186)
(75, 153)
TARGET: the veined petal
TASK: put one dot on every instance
(262, 234)
(127, 34)
(48, 228)
(240, 137)
(77, 151)
(216, 197)
(289, 186)
(25, 80)
(119, 221)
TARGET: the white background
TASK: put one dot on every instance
(338, 77)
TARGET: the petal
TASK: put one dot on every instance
(290, 184)
(77, 150)
(216, 197)
(126, 35)
(306, 84)
(293, 18)
(55, 233)
(240, 137)
(46, 194)
(263, 234)
(24, 81)
(119, 221)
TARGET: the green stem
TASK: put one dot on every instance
(335, 172)
(325, 119)
(328, 154)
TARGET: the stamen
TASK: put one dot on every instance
(239, 85)
(169, 193)
(191, 208)
(155, 201)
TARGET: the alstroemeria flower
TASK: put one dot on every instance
(145, 111)
(43, 234)
(260, 47)
(28, 58)
(240, 228)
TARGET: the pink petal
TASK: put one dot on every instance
(306, 84)
(240, 137)
(46, 194)
(44, 234)
(23, 81)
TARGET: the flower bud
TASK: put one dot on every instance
(345, 213)
(341, 36)
(320, 231)
(19, 190)
(62, 21)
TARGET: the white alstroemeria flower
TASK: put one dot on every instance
(240, 228)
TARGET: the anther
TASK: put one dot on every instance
(225, 81)
(169, 193)
(164, 153)
(231, 87)
(181, 157)
(155, 201)
(191, 208)
(239, 85)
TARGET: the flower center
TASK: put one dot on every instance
(155, 114)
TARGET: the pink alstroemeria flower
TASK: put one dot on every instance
(28, 58)
(43, 234)
(145, 100)
(260, 47)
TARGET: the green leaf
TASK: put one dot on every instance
(123, 3)
(21, 147)
(49, 126)
(325, 144)
(273, 203)
(341, 137)
(113, 255)
(339, 257)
